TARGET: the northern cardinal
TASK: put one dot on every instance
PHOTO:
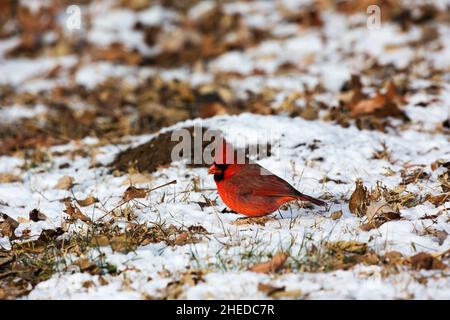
(248, 188)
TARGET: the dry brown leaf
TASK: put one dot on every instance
(368, 106)
(102, 281)
(9, 178)
(380, 105)
(35, 215)
(336, 215)
(65, 183)
(394, 257)
(440, 235)
(439, 199)
(191, 278)
(88, 284)
(197, 229)
(392, 94)
(424, 260)
(181, 238)
(135, 4)
(379, 212)
(5, 260)
(208, 110)
(274, 265)
(134, 193)
(100, 240)
(290, 294)
(75, 213)
(269, 289)
(7, 226)
(86, 265)
(369, 258)
(359, 199)
(348, 246)
(122, 244)
(118, 53)
(88, 201)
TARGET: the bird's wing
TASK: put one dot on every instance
(256, 180)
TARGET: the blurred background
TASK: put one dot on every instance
(108, 69)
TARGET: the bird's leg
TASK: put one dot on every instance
(226, 210)
(279, 212)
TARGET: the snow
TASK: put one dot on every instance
(14, 113)
(18, 71)
(346, 153)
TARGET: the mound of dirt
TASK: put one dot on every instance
(156, 153)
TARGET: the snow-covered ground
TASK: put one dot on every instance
(346, 155)
(319, 157)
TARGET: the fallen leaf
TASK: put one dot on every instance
(348, 246)
(379, 212)
(380, 105)
(359, 199)
(9, 178)
(86, 265)
(102, 281)
(173, 290)
(274, 265)
(134, 193)
(291, 294)
(197, 229)
(208, 110)
(100, 240)
(88, 284)
(135, 4)
(399, 189)
(440, 235)
(368, 106)
(424, 260)
(74, 212)
(88, 201)
(369, 258)
(181, 238)
(439, 199)
(117, 52)
(336, 215)
(5, 260)
(122, 244)
(35, 215)
(269, 289)
(394, 257)
(65, 183)
(50, 235)
(7, 226)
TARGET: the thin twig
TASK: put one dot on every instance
(147, 192)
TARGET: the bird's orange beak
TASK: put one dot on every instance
(213, 170)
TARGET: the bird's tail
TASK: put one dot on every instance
(304, 197)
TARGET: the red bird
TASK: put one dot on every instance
(248, 188)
